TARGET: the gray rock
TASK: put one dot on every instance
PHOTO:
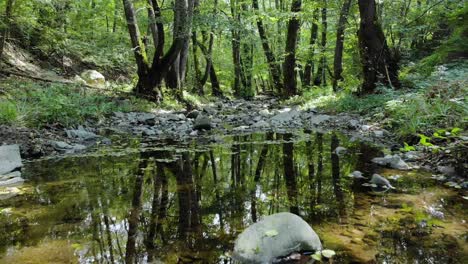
(81, 134)
(446, 170)
(146, 119)
(412, 155)
(378, 133)
(202, 122)
(275, 236)
(285, 116)
(380, 181)
(261, 124)
(10, 158)
(353, 123)
(60, 145)
(10, 175)
(264, 112)
(64, 147)
(16, 181)
(394, 162)
(193, 114)
(356, 175)
(318, 119)
(93, 78)
(341, 151)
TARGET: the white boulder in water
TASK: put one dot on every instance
(275, 236)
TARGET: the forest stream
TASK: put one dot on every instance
(183, 203)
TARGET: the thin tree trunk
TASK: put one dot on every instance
(320, 79)
(273, 65)
(309, 68)
(340, 37)
(289, 76)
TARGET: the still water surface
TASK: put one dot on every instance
(187, 203)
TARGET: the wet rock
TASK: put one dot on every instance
(285, 117)
(64, 147)
(275, 236)
(261, 124)
(447, 170)
(193, 114)
(93, 78)
(379, 133)
(10, 175)
(412, 155)
(119, 115)
(202, 122)
(380, 181)
(16, 181)
(81, 134)
(264, 112)
(356, 175)
(318, 119)
(353, 124)
(341, 151)
(146, 119)
(393, 161)
(8, 192)
(10, 158)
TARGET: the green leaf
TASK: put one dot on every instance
(317, 256)
(271, 233)
(455, 131)
(328, 253)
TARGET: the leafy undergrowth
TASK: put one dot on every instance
(426, 105)
(34, 104)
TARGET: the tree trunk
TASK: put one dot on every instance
(340, 36)
(379, 64)
(309, 68)
(6, 30)
(150, 76)
(320, 78)
(273, 65)
(289, 76)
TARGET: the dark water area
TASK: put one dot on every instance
(166, 203)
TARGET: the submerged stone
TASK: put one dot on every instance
(10, 158)
(275, 236)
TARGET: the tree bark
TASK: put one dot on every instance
(151, 75)
(6, 30)
(320, 78)
(340, 37)
(273, 65)
(289, 76)
(309, 68)
(379, 64)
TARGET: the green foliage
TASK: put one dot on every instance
(64, 104)
(8, 113)
(407, 147)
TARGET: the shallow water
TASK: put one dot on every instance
(187, 203)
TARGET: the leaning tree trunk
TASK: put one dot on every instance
(289, 76)
(338, 59)
(379, 64)
(6, 30)
(273, 65)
